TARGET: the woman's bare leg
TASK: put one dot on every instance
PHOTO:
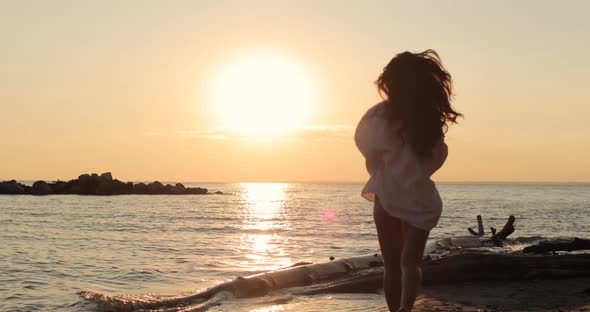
(411, 261)
(389, 232)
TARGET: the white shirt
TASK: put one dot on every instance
(399, 178)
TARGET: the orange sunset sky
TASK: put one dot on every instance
(272, 90)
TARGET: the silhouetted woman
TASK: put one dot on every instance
(402, 140)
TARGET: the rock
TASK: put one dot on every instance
(73, 187)
(107, 176)
(113, 187)
(41, 188)
(83, 178)
(196, 190)
(218, 193)
(11, 187)
(130, 187)
(28, 189)
(87, 185)
(180, 186)
(174, 189)
(140, 188)
(59, 187)
(155, 188)
(106, 187)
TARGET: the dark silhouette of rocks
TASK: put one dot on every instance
(94, 184)
(14, 188)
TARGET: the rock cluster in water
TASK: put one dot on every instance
(94, 184)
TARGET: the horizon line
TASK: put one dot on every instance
(489, 182)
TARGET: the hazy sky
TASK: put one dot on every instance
(125, 86)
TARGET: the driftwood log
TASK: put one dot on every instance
(504, 267)
(553, 246)
(470, 268)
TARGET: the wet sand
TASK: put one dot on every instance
(542, 295)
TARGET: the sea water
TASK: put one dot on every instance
(53, 247)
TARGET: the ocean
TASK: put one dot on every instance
(53, 247)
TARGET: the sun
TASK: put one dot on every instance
(262, 93)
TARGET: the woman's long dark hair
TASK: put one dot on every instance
(418, 91)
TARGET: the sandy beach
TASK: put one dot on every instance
(542, 295)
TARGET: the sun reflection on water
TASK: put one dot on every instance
(270, 309)
(263, 222)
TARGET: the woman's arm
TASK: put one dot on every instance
(366, 137)
(373, 137)
(439, 155)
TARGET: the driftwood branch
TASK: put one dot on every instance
(504, 232)
(497, 237)
(480, 231)
(480, 226)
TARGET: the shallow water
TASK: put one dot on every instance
(56, 246)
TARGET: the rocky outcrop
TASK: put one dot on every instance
(94, 184)
(14, 188)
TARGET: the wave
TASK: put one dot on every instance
(127, 303)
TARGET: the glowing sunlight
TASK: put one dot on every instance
(263, 222)
(263, 94)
